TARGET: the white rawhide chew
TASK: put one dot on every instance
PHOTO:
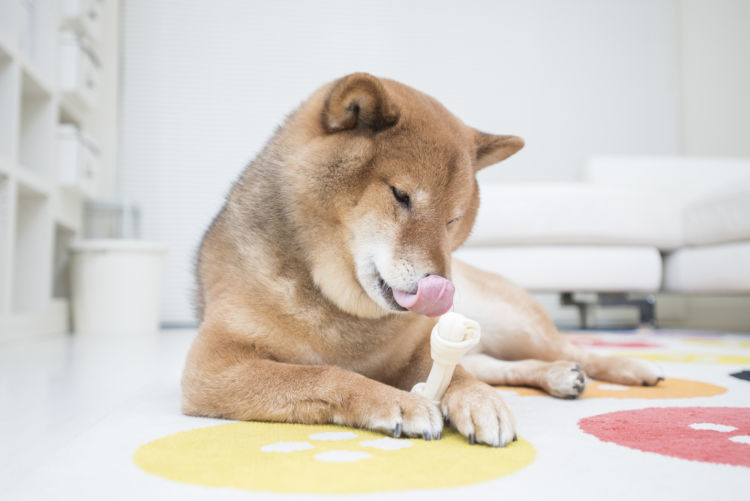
(451, 338)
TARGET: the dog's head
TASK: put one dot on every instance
(384, 182)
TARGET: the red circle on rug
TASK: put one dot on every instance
(708, 434)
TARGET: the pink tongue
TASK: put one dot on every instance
(433, 298)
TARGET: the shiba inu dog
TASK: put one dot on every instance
(320, 279)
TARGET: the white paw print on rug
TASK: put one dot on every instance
(338, 456)
(723, 428)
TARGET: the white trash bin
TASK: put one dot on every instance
(116, 286)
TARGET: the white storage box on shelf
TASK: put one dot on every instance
(78, 160)
(79, 70)
(83, 16)
(116, 286)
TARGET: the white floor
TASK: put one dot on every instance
(74, 410)
(57, 389)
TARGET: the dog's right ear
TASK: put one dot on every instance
(357, 100)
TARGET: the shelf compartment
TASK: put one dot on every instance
(7, 218)
(70, 113)
(9, 82)
(10, 18)
(38, 115)
(32, 250)
(34, 83)
(61, 264)
(32, 183)
(38, 35)
(6, 52)
(5, 168)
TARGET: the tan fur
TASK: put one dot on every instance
(296, 322)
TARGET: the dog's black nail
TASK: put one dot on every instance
(397, 431)
(644, 383)
(426, 435)
(515, 437)
(472, 440)
(659, 379)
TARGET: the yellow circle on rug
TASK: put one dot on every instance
(669, 388)
(690, 358)
(324, 459)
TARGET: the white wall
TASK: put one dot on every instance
(715, 74)
(206, 82)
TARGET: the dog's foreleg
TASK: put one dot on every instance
(243, 387)
(621, 370)
(560, 379)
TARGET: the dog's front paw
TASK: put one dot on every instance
(564, 380)
(478, 413)
(406, 414)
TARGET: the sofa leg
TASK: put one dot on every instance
(646, 305)
(647, 309)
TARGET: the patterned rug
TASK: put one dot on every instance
(700, 422)
(688, 438)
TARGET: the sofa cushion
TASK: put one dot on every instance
(721, 216)
(571, 267)
(713, 268)
(576, 213)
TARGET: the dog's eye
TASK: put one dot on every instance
(452, 221)
(401, 197)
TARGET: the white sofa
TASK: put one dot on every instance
(632, 225)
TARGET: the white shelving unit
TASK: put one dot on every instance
(40, 214)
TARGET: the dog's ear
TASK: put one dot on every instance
(493, 149)
(356, 100)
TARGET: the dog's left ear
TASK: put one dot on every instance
(358, 99)
(493, 149)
